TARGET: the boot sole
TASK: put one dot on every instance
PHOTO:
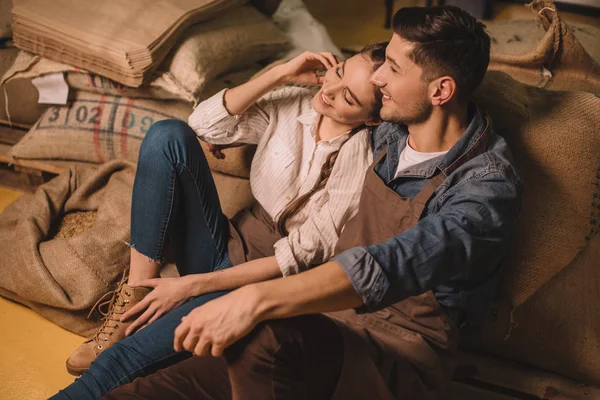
(75, 371)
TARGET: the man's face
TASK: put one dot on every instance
(405, 94)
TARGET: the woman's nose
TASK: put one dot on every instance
(330, 92)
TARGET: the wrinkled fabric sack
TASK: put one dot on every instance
(241, 37)
(558, 61)
(61, 278)
(98, 128)
(23, 107)
(519, 36)
(551, 275)
(24, 66)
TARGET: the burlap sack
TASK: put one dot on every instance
(27, 66)
(555, 140)
(558, 61)
(551, 272)
(62, 278)
(557, 329)
(98, 128)
(234, 193)
(521, 36)
(122, 40)
(22, 96)
(240, 37)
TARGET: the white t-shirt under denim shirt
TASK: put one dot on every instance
(287, 164)
(410, 157)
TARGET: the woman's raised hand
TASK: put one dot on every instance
(303, 69)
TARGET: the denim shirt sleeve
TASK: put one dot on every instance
(470, 230)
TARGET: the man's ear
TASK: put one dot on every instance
(442, 90)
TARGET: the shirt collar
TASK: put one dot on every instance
(471, 135)
(310, 119)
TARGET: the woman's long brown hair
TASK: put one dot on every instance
(375, 53)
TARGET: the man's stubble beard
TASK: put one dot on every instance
(417, 113)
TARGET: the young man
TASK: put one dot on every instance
(420, 259)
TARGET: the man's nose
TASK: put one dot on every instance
(378, 78)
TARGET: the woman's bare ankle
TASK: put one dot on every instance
(142, 267)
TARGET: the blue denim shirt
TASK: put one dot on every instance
(457, 246)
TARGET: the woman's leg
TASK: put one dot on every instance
(174, 196)
(138, 355)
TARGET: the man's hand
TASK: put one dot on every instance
(214, 326)
(168, 294)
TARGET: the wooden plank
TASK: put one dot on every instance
(462, 391)
(51, 166)
(523, 381)
(15, 124)
(11, 136)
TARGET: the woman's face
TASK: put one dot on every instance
(347, 95)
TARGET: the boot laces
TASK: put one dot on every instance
(110, 309)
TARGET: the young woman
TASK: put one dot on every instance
(306, 175)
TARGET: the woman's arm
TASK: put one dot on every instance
(262, 269)
(243, 114)
(169, 293)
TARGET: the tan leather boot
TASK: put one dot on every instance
(112, 330)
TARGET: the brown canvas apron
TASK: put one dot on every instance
(403, 351)
(252, 235)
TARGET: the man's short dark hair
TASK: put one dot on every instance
(448, 41)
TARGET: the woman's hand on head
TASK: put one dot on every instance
(303, 69)
(166, 295)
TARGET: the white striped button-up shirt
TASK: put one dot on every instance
(287, 164)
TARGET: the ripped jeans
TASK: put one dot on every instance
(175, 199)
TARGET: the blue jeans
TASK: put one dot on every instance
(175, 200)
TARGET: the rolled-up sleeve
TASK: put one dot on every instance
(212, 122)
(314, 241)
(465, 239)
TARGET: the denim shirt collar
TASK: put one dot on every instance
(395, 138)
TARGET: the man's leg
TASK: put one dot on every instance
(296, 358)
(181, 382)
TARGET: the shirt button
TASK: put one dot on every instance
(207, 122)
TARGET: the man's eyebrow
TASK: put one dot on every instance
(390, 59)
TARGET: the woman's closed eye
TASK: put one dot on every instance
(345, 94)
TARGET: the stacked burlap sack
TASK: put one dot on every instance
(209, 56)
(100, 130)
(124, 41)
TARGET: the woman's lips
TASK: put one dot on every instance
(324, 100)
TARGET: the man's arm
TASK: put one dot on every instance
(214, 326)
(457, 244)
(321, 289)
